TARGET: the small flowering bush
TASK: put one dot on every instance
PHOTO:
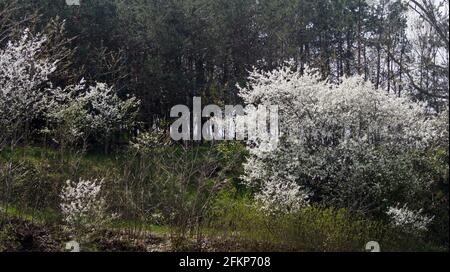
(146, 142)
(107, 113)
(83, 207)
(409, 220)
(281, 197)
(81, 111)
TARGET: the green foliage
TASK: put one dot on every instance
(229, 150)
(437, 169)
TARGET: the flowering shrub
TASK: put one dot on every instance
(147, 141)
(442, 125)
(24, 76)
(76, 111)
(281, 197)
(107, 112)
(408, 220)
(83, 206)
(82, 111)
(349, 145)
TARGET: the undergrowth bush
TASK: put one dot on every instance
(238, 220)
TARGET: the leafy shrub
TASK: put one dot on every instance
(246, 226)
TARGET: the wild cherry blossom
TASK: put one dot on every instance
(345, 144)
(409, 220)
(83, 205)
(93, 110)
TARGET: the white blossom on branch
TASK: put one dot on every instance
(409, 220)
(347, 144)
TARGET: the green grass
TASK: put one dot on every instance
(131, 224)
(39, 216)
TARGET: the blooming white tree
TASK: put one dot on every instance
(349, 145)
(108, 113)
(83, 206)
(24, 76)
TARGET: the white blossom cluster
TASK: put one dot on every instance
(281, 197)
(337, 142)
(82, 204)
(108, 111)
(409, 220)
(24, 76)
(93, 110)
(147, 141)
